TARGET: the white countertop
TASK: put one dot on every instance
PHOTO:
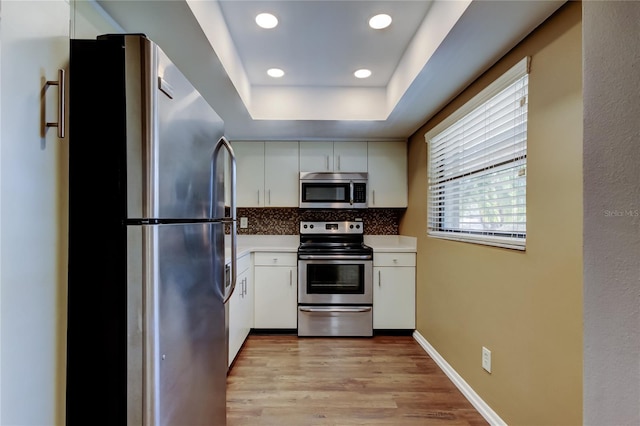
(253, 243)
(391, 243)
(290, 243)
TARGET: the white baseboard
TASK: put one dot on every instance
(475, 400)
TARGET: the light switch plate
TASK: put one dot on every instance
(244, 222)
(486, 359)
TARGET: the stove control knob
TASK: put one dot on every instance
(311, 226)
(357, 226)
(305, 226)
(351, 226)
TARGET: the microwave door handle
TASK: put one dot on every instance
(351, 192)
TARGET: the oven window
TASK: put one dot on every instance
(326, 278)
(325, 192)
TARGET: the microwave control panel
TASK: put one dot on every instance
(359, 192)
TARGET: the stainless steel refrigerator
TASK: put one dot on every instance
(146, 335)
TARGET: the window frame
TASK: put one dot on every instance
(514, 239)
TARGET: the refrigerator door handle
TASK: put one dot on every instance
(223, 142)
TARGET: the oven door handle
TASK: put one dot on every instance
(340, 309)
(334, 257)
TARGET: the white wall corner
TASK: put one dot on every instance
(483, 408)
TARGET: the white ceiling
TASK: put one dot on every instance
(429, 54)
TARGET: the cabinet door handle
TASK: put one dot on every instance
(374, 197)
(290, 277)
(379, 278)
(327, 168)
(61, 103)
(338, 162)
(258, 197)
(269, 193)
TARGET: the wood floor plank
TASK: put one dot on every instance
(385, 380)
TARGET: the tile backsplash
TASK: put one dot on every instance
(285, 221)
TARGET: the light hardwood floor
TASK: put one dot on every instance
(385, 380)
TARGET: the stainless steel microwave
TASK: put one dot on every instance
(322, 190)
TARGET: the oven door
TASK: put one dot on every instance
(335, 281)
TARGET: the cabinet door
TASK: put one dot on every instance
(236, 312)
(316, 156)
(387, 174)
(248, 305)
(250, 173)
(281, 174)
(350, 157)
(394, 298)
(276, 297)
(34, 40)
(240, 308)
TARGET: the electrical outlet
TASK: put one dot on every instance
(244, 222)
(486, 359)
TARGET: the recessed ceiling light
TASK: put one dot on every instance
(266, 20)
(380, 21)
(362, 73)
(275, 72)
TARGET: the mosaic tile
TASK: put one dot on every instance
(285, 221)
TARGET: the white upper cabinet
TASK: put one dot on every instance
(328, 156)
(281, 174)
(387, 174)
(249, 173)
(349, 157)
(267, 173)
(316, 156)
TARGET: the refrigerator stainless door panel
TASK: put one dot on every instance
(135, 321)
(171, 134)
(184, 356)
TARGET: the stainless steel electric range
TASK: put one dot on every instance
(335, 280)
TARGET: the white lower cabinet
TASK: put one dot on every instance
(276, 290)
(241, 307)
(394, 290)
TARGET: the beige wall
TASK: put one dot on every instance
(526, 307)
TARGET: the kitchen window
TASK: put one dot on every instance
(478, 166)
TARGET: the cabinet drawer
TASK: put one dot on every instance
(394, 259)
(275, 259)
(244, 263)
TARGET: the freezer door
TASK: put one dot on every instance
(177, 356)
(171, 135)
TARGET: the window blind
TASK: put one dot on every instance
(477, 166)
